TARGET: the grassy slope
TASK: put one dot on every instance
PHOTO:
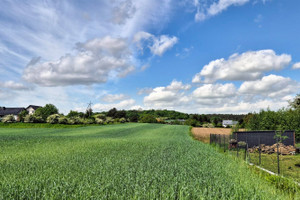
(125, 161)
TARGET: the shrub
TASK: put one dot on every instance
(122, 120)
(192, 122)
(53, 119)
(99, 121)
(148, 119)
(89, 121)
(8, 119)
(100, 116)
(33, 119)
(62, 120)
(109, 120)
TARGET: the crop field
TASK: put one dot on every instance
(202, 134)
(125, 161)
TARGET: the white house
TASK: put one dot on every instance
(31, 109)
(226, 123)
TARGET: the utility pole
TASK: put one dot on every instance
(89, 109)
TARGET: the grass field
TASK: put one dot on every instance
(286, 164)
(126, 161)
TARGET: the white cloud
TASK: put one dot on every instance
(122, 105)
(96, 61)
(13, 85)
(204, 11)
(296, 65)
(272, 86)
(113, 97)
(214, 94)
(250, 65)
(162, 44)
(157, 45)
(168, 97)
(123, 11)
(144, 91)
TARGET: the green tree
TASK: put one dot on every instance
(148, 118)
(22, 115)
(295, 103)
(46, 111)
(112, 113)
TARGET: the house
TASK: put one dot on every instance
(226, 123)
(10, 111)
(31, 109)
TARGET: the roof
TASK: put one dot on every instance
(34, 107)
(10, 111)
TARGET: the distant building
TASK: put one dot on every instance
(16, 111)
(10, 111)
(226, 123)
(31, 109)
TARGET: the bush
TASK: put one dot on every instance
(148, 119)
(53, 119)
(99, 121)
(33, 119)
(192, 122)
(63, 120)
(100, 116)
(8, 119)
(75, 120)
(122, 120)
(89, 121)
(109, 120)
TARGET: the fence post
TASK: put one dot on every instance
(278, 157)
(210, 138)
(224, 144)
(237, 150)
(259, 152)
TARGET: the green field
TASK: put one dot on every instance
(125, 161)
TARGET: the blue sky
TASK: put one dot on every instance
(195, 56)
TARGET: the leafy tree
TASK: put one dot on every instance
(192, 122)
(295, 103)
(112, 113)
(73, 114)
(121, 114)
(22, 115)
(133, 116)
(46, 111)
(148, 118)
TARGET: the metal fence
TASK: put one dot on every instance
(238, 145)
(255, 138)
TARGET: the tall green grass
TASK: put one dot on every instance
(126, 161)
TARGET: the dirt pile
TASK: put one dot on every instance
(283, 150)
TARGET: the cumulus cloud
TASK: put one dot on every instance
(296, 65)
(205, 11)
(157, 45)
(96, 61)
(122, 105)
(250, 65)
(167, 97)
(113, 97)
(214, 94)
(272, 86)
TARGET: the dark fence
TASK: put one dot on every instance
(252, 146)
(255, 138)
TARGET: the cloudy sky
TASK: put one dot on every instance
(195, 56)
